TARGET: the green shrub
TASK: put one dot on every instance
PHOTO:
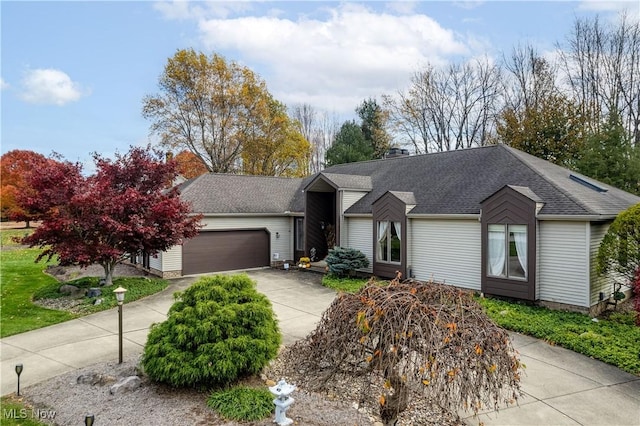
(615, 341)
(347, 285)
(219, 329)
(241, 403)
(345, 261)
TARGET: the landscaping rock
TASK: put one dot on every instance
(94, 292)
(70, 290)
(98, 302)
(93, 378)
(125, 385)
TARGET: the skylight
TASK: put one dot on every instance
(587, 183)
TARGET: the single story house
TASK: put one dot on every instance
(493, 219)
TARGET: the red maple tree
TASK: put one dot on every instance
(15, 167)
(126, 207)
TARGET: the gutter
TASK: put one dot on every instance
(577, 218)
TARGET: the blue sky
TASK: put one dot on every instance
(74, 73)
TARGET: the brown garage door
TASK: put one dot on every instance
(213, 251)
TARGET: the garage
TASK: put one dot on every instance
(214, 251)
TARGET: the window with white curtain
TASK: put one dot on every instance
(389, 241)
(507, 251)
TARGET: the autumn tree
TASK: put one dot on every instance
(274, 144)
(403, 339)
(319, 128)
(537, 117)
(189, 165)
(124, 208)
(374, 122)
(349, 146)
(15, 167)
(211, 107)
(445, 109)
(601, 64)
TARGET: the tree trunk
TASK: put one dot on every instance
(109, 267)
(396, 403)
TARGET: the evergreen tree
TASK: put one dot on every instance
(349, 146)
(609, 157)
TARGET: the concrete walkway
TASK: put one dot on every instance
(565, 388)
(562, 387)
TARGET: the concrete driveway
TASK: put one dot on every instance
(297, 297)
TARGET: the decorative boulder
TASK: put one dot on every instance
(125, 385)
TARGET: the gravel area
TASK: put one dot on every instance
(71, 396)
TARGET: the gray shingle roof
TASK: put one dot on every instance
(456, 182)
(349, 181)
(221, 193)
(448, 183)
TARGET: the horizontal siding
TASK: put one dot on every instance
(360, 236)
(172, 259)
(599, 283)
(155, 261)
(283, 245)
(563, 262)
(349, 198)
(446, 250)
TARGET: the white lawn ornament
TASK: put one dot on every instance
(283, 401)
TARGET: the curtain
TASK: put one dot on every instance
(520, 237)
(382, 236)
(497, 249)
(396, 226)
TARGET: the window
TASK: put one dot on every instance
(389, 236)
(507, 251)
(299, 234)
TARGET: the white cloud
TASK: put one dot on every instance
(402, 6)
(184, 9)
(608, 6)
(3, 84)
(336, 62)
(49, 86)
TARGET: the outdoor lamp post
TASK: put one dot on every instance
(19, 368)
(88, 420)
(120, 298)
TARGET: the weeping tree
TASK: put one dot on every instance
(407, 339)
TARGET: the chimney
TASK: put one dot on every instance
(396, 151)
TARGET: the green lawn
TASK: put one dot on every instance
(346, 285)
(21, 279)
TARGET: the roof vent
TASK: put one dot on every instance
(395, 151)
(587, 183)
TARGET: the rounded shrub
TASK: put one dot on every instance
(242, 403)
(218, 330)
